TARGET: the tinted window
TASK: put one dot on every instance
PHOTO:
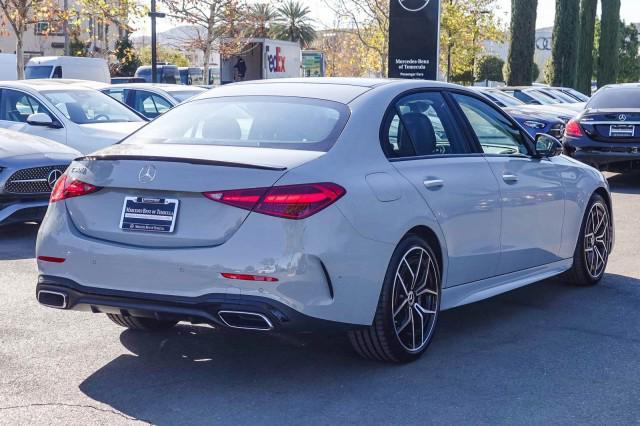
(615, 97)
(184, 95)
(17, 106)
(38, 71)
(149, 104)
(89, 106)
(503, 98)
(420, 125)
(255, 121)
(117, 94)
(496, 134)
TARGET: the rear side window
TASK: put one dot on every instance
(615, 97)
(420, 124)
(251, 121)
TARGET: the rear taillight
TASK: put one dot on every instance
(69, 188)
(290, 201)
(573, 129)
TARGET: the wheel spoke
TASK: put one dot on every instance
(415, 277)
(404, 325)
(423, 310)
(413, 328)
(426, 277)
(404, 287)
(402, 305)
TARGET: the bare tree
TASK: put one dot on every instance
(22, 13)
(369, 21)
(211, 19)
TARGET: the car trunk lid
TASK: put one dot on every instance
(150, 175)
(608, 125)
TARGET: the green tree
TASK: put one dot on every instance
(128, 59)
(296, 23)
(547, 77)
(585, 45)
(523, 39)
(489, 67)
(261, 19)
(536, 72)
(564, 46)
(629, 68)
(609, 42)
(464, 24)
(165, 54)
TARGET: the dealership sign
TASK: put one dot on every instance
(414, 27)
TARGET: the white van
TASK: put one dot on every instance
(94, 69)
(8, 67)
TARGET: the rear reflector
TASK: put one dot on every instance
(289, 201)
(52, 259)
(68, 188)
(247, 277)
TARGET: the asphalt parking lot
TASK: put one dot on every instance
(547, 353)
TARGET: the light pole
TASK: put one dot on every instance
(153, 14)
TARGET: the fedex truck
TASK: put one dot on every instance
(261, 58)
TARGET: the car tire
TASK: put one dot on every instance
(411, 291)
(140, 323)
(594, 244)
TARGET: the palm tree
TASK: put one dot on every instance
(296, 23)
(262, 17)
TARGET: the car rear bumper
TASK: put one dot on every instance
(205, 309)
(605, 155)
(305, 259)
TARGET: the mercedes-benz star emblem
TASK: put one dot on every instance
(622, 117)
(147, 173)
(413, 5)
(53, 177)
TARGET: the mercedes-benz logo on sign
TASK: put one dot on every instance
(413, 5)
(622, 117)
(147, 173)
(53, 177)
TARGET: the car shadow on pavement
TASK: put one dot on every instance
(625, 183)
(18, 241)
(543, 339)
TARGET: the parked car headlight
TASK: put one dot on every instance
(534, 124)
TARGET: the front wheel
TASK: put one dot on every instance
(594, 244)
(408, 308)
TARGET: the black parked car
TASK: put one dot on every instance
(606, 134)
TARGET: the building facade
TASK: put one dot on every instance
(46, 38)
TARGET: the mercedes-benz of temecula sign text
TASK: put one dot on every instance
(413, 39)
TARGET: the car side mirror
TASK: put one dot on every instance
(40, 119)
(547, 146)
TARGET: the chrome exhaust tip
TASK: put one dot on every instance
(245, 320)
(52, 299)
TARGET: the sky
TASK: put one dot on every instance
(629, 11)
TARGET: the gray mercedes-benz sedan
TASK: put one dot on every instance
(289, 205)
(29, 169)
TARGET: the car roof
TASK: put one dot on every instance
(337, 89)
(47, 84)
(161, 86)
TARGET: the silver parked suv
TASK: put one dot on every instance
(29, 169)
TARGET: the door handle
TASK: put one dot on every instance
(433, 183)
(509, 178)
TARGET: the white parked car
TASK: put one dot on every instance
(76, 116)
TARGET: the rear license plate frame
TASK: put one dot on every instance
(622, 131)
(151, 215)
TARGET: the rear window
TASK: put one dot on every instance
(615, 97)
(252, 121)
